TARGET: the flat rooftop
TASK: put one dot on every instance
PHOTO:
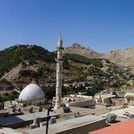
(67, 125)
(105, 96)
(24, 118)
(3, 111)
(121, 112)
(9, 131)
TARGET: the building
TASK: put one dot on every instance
(80, 125)
(131, 82)
(26, 119)
(119, 128)
(3, 113)
(79, 100)
(105, 98)
(129, 98)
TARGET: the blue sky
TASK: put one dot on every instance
(102, 25)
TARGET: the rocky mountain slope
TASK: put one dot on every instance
(22, 64)
(123, 57)
(84, 51)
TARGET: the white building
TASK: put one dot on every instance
(129, 98)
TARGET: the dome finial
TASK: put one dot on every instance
(33, 82)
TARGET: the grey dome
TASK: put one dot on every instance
(31, 92)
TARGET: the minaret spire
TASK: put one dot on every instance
(60, 42)
(60, 34)
(59, 73)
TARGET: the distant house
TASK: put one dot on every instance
(131, 82)
(129, 98)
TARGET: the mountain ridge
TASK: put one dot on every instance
(20, 64)
(81, 50)
(124, 57)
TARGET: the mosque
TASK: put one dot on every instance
(33, 94)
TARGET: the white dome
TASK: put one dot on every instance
(31, 92)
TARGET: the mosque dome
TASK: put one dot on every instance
(31, 92)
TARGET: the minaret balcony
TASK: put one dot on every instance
(58, 60)
(59, 48)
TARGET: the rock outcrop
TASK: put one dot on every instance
(84, 51)
(123, 57)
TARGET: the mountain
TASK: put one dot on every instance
(22, 64)
(84, 51)
(25, 60)
(122, 57)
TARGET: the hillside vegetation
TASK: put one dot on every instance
(22, 64)
(11, 57)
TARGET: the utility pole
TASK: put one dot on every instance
(48, 118)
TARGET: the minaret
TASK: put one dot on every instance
(59, 74)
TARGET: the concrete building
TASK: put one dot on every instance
(59, 74)
(131, 82)
(4, 130)
(79, 100)
(104, 99)
(22, 120)
(3, 113)
(81, 125)
(129, 98)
